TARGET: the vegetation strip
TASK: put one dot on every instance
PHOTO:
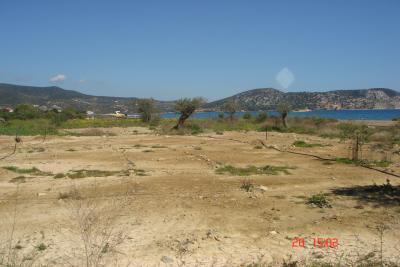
(253, 170)
(304, 154)
(328, 159)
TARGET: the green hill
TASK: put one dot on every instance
(12, 95)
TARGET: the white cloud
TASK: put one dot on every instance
(58, 78)
(82, 81)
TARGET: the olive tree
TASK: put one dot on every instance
(284, 108)
(186, 107)
(230, 107)
(146, 108)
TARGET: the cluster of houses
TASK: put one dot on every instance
(90, 114)
(42, 108)
(7, 110)
(45, 108)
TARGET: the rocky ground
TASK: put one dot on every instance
(160, 202)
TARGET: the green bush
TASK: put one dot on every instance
(194, 128)
(301, 143)
(319, 200)
(364, 162)
(28, 127)
(101, 122)
(27, 112)
(261, 117)
(247, 116)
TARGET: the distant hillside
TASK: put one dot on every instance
(12, 95)
(268, 98)
(256, 99)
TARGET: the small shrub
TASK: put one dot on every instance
(59, 176)
(301, 143)
(247, 185)
(32, 171)
(18, 246)
(247, 116)
(261, 117)
(41, 247)
(72, 194)
(319, 200)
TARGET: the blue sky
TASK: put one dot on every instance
(211, 48)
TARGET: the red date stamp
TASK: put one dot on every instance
(317, 242)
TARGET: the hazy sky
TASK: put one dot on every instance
(213, 48)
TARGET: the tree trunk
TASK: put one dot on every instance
(284, 122)
(181, 121)
(266, 133)
(356, 147)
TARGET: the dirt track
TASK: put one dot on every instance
(185, 212)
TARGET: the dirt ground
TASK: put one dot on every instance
(180, 212)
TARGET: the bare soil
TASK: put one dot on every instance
(182, 213)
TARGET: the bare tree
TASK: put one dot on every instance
(359, 135)
(186, 107)
(284, 108)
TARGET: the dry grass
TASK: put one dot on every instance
(94, 224)
(11, 253)
(92, 132)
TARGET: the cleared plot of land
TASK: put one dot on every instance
(198, 200)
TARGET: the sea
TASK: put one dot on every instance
(370, 114)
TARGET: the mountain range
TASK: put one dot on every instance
(268, 98)
(251, 100)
